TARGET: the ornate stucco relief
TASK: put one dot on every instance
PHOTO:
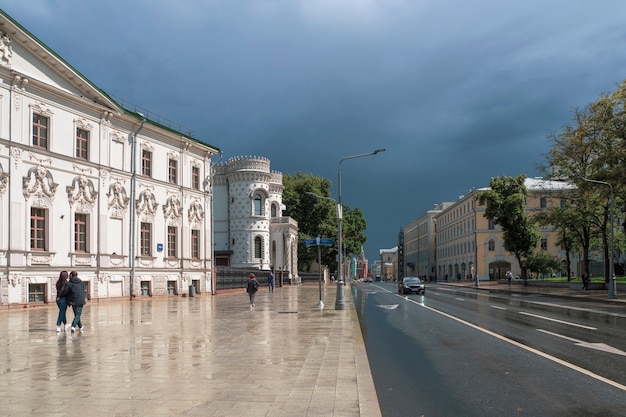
(38, 183)
(81, 191)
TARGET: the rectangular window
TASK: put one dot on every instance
(36, 293)
(195, 244)
(145, 288)
(146, 163)
(172, 233)
(195, 178)
(171, 287)
(172, 168)
(37, 229)
(82, 144)
(145, 244)
(543, 202)
(80, 232)
(544, 243)
(40, 131)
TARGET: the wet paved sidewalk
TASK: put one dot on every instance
(200, 356)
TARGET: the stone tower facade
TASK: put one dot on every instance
(250, 230)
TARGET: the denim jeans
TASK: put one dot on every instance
(62, 317)
(78, 310)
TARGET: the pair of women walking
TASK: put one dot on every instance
(70, 292)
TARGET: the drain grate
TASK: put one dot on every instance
(287, 312)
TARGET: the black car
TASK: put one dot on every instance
(411, 285)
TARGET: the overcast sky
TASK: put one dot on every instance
(457, 91)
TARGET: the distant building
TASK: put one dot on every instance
(389, 264)
(418, 245)
(250, 230)
(454, 241)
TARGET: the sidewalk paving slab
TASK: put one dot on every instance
(199, 356)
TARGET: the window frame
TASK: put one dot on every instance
(146, 163)
(82, 144)
(172, 242)
(40, 132)
(172, 171)
(81, 237)
(36, 292)
(39, 230)
(258, 247)
(195, 178)
(145, 239)
(195, 243)
(257, 204)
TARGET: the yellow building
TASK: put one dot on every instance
(468, 245)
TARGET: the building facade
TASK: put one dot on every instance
(250, 229)
(389, 264)
(418, 245)
(88, 185)
(466, 245)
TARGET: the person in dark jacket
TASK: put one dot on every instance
(61, 303)
(251, 288)
(74, 290)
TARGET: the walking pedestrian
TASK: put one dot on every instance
(585, 282)
(61, 303)
(270, 280)
(74, 290)
(509, 277)
(251, 288)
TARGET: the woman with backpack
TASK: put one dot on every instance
(251, 288)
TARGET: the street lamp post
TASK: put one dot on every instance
(340, 303)
(612, 286)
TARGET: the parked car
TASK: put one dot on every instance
(411, 285)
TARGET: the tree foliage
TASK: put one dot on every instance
(592, 147)
(318, 217)
(505, 202)
(540, 262)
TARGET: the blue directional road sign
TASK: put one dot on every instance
(319, 241)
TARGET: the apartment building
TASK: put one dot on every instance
(418, 247)
(466, 244)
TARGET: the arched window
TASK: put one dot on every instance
(258, 247)
(273, 213)
(492, 245)
(257, 205)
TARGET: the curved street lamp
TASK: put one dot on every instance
(340, 303)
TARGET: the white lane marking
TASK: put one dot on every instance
(597, 346)
(558, 321)
(388, 307)
(498, 307)
(460, 299)
(527, 348)
(586, 310)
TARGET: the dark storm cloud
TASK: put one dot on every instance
(457, 91)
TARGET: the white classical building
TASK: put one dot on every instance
(250, 230)
(88, 185)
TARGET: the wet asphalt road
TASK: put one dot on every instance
(456, 352)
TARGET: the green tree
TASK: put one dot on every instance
(505, 202)
(592, 148)
(541, 262)
(565, 219)
(318, 216)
